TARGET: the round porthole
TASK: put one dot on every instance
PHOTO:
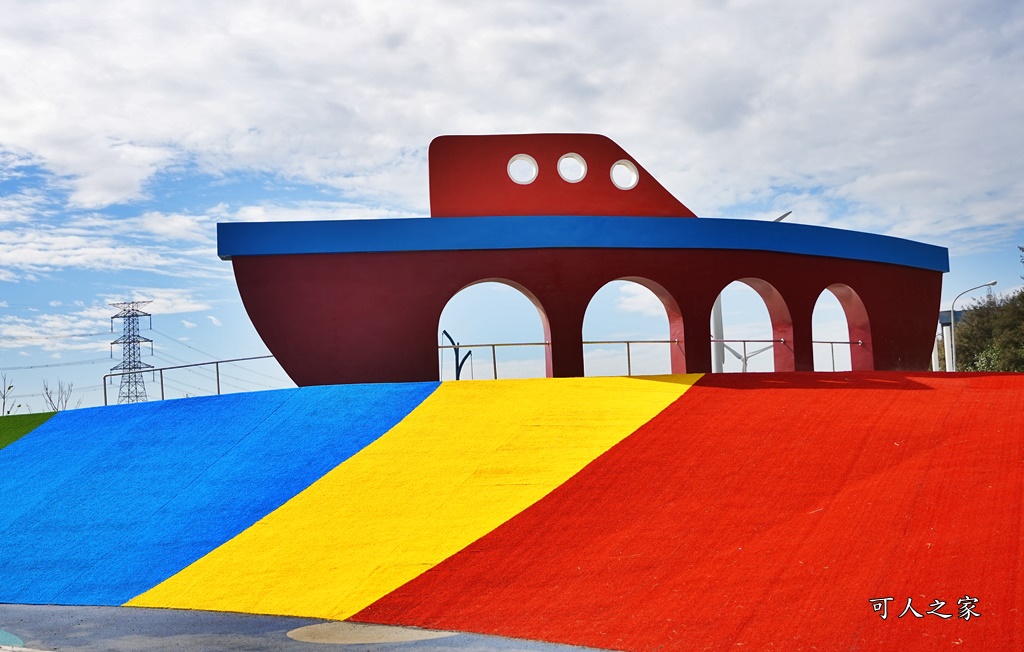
(625, 175)
(522, 168)
(572, 167)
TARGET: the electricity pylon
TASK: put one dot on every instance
(133, 386)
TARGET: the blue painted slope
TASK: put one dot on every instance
(99, 505)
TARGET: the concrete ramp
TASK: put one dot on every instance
(101, 504)
(767, 512)
(759, 511)
(469, 458)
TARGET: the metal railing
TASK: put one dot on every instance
(832, 347)
(629, 358)
(216, 370)
(494, 347)
(745, 357)
(743, 353)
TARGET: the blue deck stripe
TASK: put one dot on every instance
(102, 504)
(569, 231)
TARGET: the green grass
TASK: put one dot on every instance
(15, 426)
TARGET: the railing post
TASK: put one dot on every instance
(494, 362)
(629, 362)
(161, 384)
(216, 369)
(105, 390)
(832, 347)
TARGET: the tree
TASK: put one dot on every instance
(58, 400)
(990, 337)
(5, 393)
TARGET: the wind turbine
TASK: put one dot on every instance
(718, 330)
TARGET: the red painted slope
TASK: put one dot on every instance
(764, 512)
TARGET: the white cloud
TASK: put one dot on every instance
(634, 297)
(877, 105)
(306, 210)
(177, 226)
(214, 320)
(84, 330)
(44, 250)
(88, 327)
(188, 324)
(20, 207)
(164, 301)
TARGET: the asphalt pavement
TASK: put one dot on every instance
(125, 629)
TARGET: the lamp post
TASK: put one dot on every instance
(952, 323)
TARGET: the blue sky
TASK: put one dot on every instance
(127, 133)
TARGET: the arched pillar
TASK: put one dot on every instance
(862, 356)
(800, 298)
(802, 340)
(782, 324)
(565, 311)
(676, 331)
(696, 302)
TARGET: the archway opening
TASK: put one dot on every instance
(632, 326)
(841, 331)
(751, 329)
(498, 329)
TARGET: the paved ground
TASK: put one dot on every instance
(121, 629)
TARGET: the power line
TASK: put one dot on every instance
(164, 354)
(177, 341)
(25, 306)
(31, 338)
(56, 364)
(87, 388)
(224, 374)
(248, 370)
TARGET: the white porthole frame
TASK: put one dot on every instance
(629, 165)
(532, 162)
(574, 157)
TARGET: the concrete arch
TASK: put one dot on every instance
(525, 292)
(780, 318)
(859, 325)
(674, 317)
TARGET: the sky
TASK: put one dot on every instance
(128, 130)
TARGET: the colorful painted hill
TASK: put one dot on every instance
(760, 511)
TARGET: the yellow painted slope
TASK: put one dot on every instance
(470, 457)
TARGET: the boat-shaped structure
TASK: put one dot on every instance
(558, 216)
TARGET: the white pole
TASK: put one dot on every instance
(717, 333)
(947, 347)
(952, 319)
